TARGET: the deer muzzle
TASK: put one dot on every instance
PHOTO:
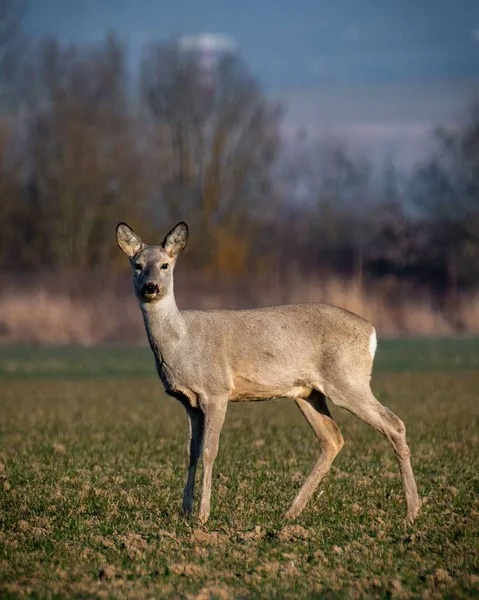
(150, 291)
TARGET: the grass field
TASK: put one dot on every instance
(92, 464)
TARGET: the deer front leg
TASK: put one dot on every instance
(195, 441)
(214, 410)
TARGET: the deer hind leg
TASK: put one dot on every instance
(316, 412)
(360, 401)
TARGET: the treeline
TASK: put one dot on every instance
(421, 227)
(87, 140)
(84, 145)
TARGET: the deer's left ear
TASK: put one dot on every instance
(127, 239)
(175, 241)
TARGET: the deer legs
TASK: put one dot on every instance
(195, 441)
(215, 413)
(360, 401)
(205, 426)
(316, 412)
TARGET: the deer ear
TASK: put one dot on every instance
(175, 241)
(127, 239)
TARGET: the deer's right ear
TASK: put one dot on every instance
(127, 239)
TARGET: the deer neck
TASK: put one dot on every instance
(165, 327)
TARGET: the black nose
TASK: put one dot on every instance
(150, 288)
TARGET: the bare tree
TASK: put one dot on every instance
(333, 186)
(446, 192)
(11, 14)
(85, 168)
(220, 144)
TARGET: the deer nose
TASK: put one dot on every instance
(150, 288)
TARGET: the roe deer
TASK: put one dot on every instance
(306, 352)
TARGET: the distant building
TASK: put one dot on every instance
(207, 48)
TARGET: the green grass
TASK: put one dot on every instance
(92, 459)
(76, 362)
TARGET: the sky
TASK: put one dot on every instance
(381, 73)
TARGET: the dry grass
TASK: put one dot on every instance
(468, 311)
(46, 317)
(92, 309)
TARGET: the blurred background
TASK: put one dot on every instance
(319, 151)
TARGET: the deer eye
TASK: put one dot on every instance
(138, 267)
(164, 266)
